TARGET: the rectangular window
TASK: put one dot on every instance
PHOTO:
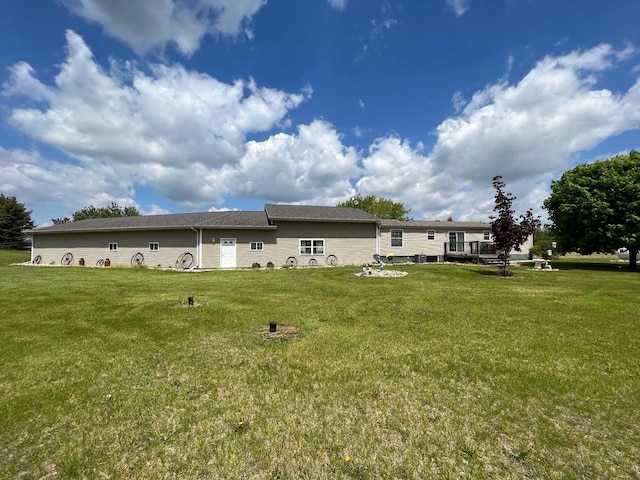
(113, 247)
(431, 234)
(487, 235)
(154, 246)
(396, 238)
(311, 247)
(257, 246)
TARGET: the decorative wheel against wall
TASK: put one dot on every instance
(332, 260)
(37, 260)
(184, 261)
(313, 262)
(292, 262)
(67, 259)
(100, 263)
(137, 259)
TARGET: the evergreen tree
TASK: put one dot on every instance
(14, 220)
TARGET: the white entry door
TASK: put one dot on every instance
(228, 253)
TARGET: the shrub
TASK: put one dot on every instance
(270, 265)
(255, 265)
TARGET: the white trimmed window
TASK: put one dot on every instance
(396, 238)
(257, 246)
(113, 246)
(311, 247)
(487, 235)
(431, 234)
(154, 246)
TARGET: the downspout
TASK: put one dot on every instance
(378, 229)
(198, 246)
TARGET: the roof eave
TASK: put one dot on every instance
(171, 227)
(324, 220)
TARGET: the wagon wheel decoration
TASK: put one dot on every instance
(67, 259)
(100, 263)
(184, 261)
(292, 262)
(332, 260)
(137, 259)
(37, 260)
(313, 262)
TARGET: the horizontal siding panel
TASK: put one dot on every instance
(351, 243)
(95, 246)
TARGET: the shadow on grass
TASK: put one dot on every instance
(487, 271)
(585, 265)
(562, 265)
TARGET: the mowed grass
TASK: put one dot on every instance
(448, 372)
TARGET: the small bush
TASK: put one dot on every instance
(540, 251)
(255, 265)
(270, 265)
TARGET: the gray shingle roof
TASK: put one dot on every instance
(232, 219)
(433, 224)
(307, 213)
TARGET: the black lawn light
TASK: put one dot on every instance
(273, 326)
(190, 301)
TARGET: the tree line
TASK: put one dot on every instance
(15, 220)
(113, 210)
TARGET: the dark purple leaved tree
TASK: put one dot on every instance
(507, 233)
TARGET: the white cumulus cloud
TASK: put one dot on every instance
(171, 117)
(147, 24)
(194, 139)
(528, 132)
(535, 126)
(169, 128)
(38, 181)
(312, 166)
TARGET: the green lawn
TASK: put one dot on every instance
(448, 372)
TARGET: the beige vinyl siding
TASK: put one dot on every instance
(415, 240)
(95, 246)
(351, 243)
(245, 258)
(523, 254)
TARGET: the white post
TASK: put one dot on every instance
(199, 263)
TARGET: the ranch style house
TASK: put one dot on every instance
(293, 235)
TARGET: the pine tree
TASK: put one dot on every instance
(14, 220)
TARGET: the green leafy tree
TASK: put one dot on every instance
(543, 242)
(507, 233)
(596, 207)
(14, 220)
(380, 207)
(113, 210)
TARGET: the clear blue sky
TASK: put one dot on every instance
(176, 105)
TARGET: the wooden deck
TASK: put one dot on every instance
(475, 252)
